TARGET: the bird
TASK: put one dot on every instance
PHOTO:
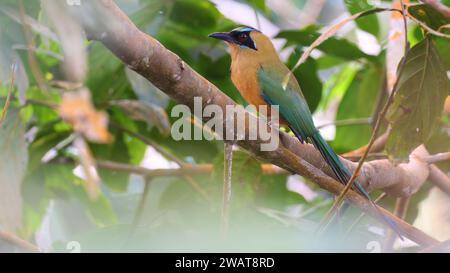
(263, 79)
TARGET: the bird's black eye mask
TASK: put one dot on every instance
(240, 36)
(243, 39)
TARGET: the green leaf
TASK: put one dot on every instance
(439, 142)
(368, 23)
(358, 102)
(13, 162)
(246, 175)
(418, 103)
(201, 16)
(152, 114)
(257, 4)
(250, 186)
(274, 193)
(44, 115)
(150, 12)
(428, 15)
(220, 75)
(337, 85)
(308, 79)
(136, 148)
(106, 67)
(116, 151)
(334, 46)
(45, 140)
(329, 61)
(145, 90)
(60, 180)
(34, 183)
(443, 46)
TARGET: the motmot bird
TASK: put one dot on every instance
(263, 79)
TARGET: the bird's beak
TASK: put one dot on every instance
(225, 36)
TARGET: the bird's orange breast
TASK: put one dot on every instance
(245, 80)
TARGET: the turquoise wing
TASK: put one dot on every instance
(292, 105)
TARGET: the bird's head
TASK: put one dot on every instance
(246, 40)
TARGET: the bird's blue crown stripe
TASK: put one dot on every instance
(247, 29)
(244, 29)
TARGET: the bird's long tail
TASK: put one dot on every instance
(343, 175)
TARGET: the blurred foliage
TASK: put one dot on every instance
(419, 99)
(359, 101)
(333, 46)
(429, 16)
(368, 23)
(307, 76)
(264, 214)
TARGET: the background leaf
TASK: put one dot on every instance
(358, 102)
(368, 23)
(308, 78)
(13, 162)
(418, 103)
(428, 15)
(334, 46)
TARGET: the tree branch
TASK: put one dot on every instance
(8, 97)
(439, 179)
(441, 247)
(227, 187)
(401, 208)
(105, 22)
(377, 146)
(191, 169)
(185, 170)
(437, 157)
(21, 243)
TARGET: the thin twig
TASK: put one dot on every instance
(371, 156)
(380, 118)
(87, 162)
(186, 169)
(32, 61)
(42, 103)
(329, 31)
(427, 28)
(258, 22)
(401, 208)
(47, 104)
(21, 243)
(361, 216)
(438, 178)
(438, 6)
(168, 156)
(191, 169)
(377, 146)
(151, 173)
(196, 186)
(441, 247)
(437, 157)
(40, 50)
(347, 122)
(149, 142)
(227, 173)
(142, 202)
(11, 86)
(311, 11)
